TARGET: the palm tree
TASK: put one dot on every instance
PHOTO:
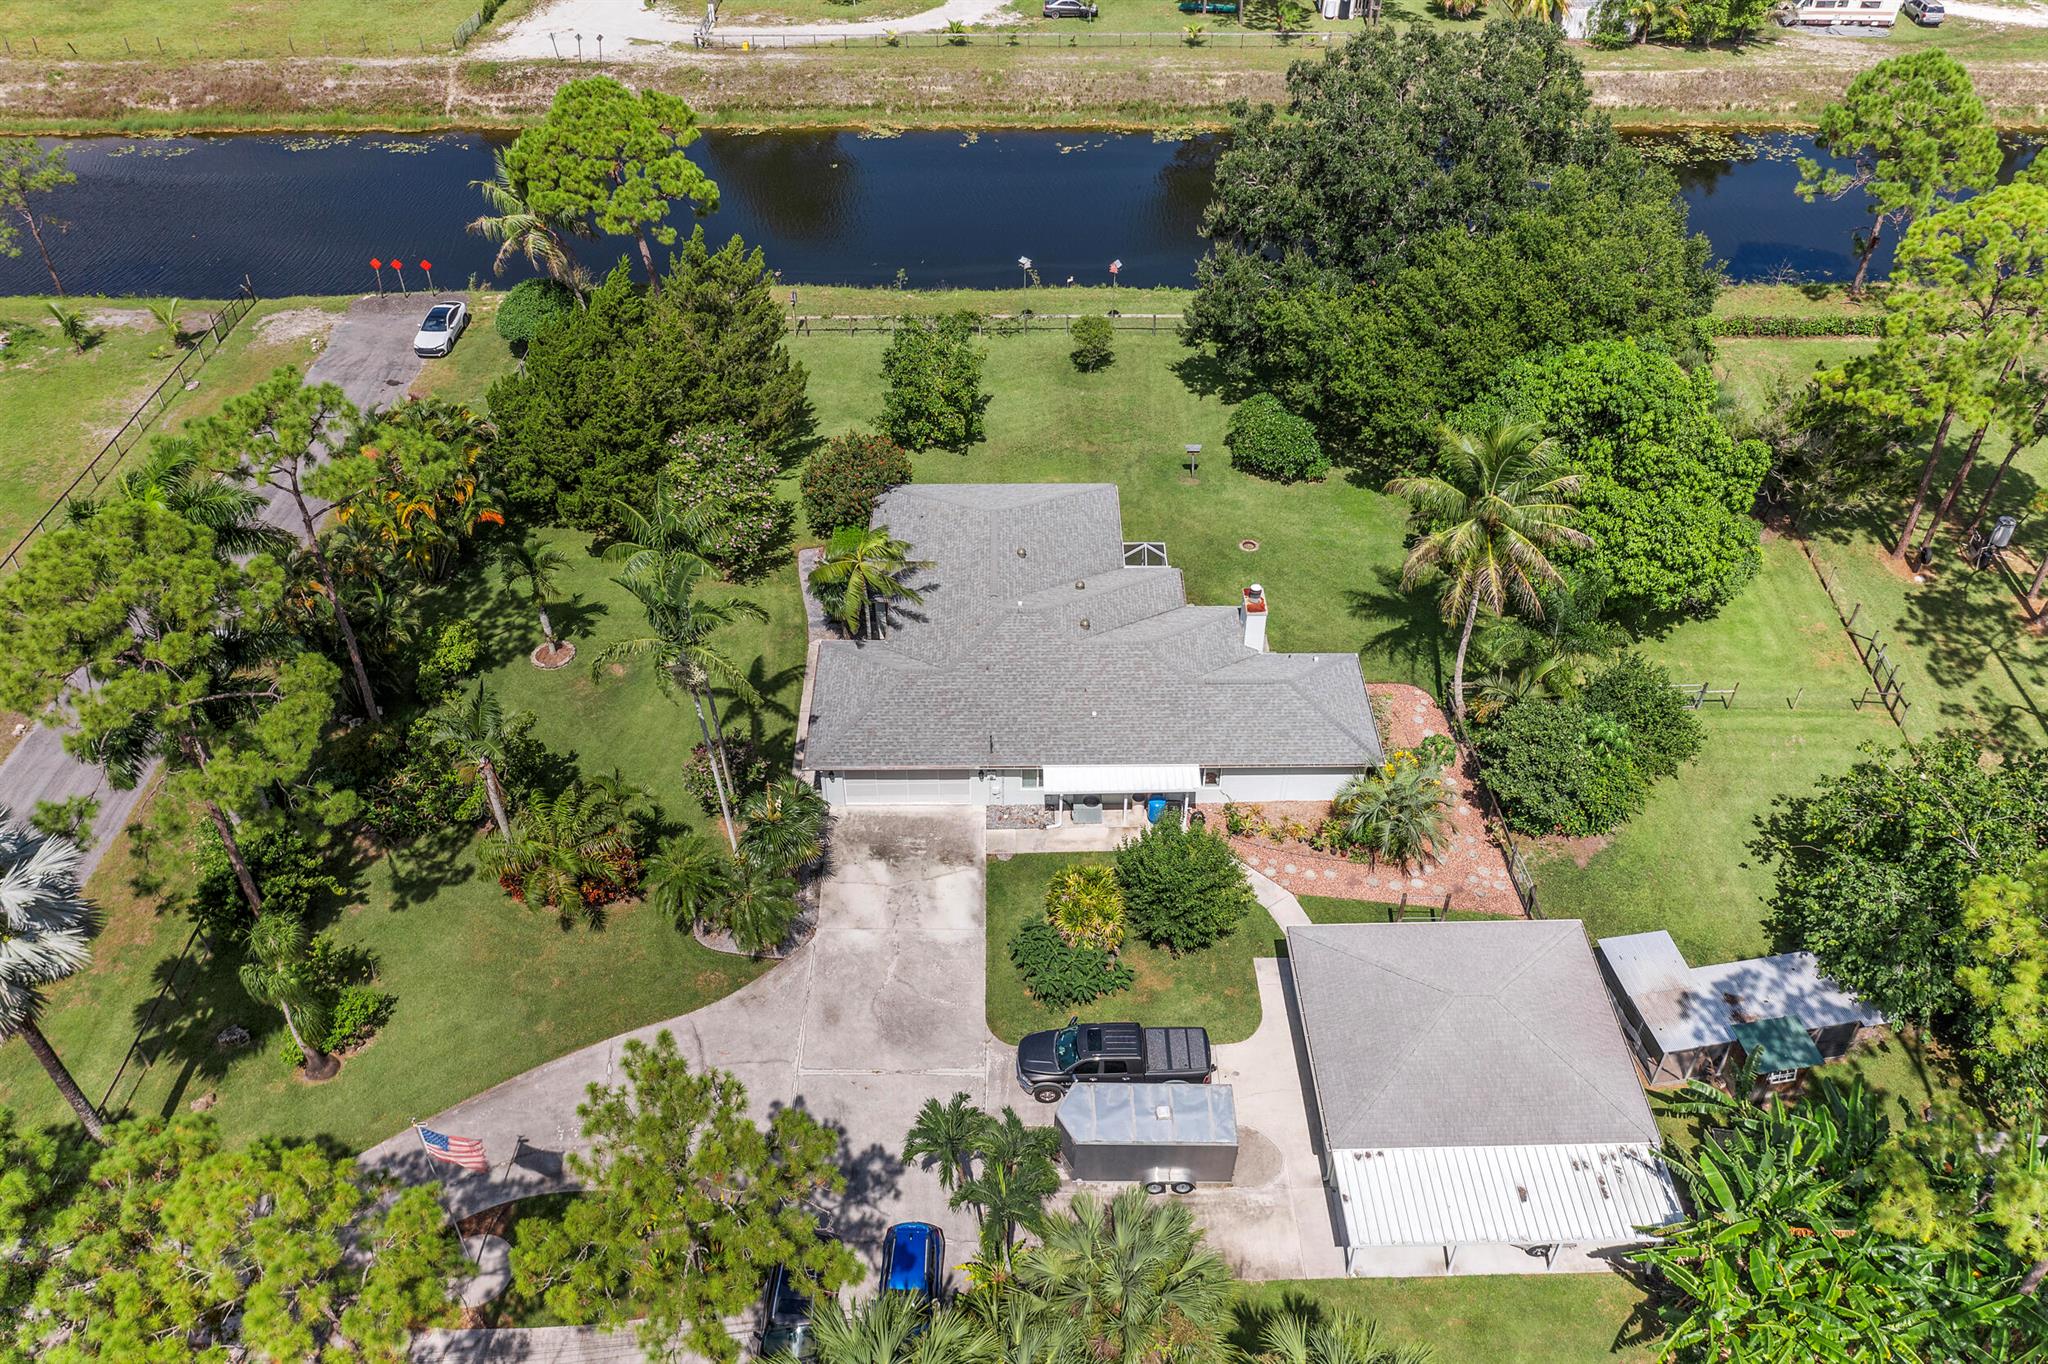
(759, 905)
(944, 1137)
(1133, 1275)
(536, 568)
(44, 924)
(862, 571)
(1017, 1176)
(520, 231)
(1504, 501)
(1289, 1338)
(785, 824)
(555, 846)
(72, 326)
(895, 1329)
(680, 627)
(686, 879)
(166, 315)
(174, 477)
(622, 799)
(1397, 813)
(474, 730)
(1542, 11)
(276, 974)
(667, 527)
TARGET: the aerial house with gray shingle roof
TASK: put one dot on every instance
(1479, 1111)
(1050, 662)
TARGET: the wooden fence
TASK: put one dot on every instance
(1885, 687)
(205, 345)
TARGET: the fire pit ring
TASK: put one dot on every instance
(1248, 546)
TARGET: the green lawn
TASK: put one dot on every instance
(1683, 863)
(1499, 1319)
(1213, 989)
(61, 406)
(222, 27)
(485, 988)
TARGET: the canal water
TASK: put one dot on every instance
(305, 214)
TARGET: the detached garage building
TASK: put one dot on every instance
(1051, 662)
(1478, 1106)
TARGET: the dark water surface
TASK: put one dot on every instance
(305, 214)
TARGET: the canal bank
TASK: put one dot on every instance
(1780, 81)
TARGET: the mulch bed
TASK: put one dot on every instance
(1471, 871)
(551, 658)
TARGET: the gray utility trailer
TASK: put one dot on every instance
(1162, 1136)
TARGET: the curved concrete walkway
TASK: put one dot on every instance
(632, 33)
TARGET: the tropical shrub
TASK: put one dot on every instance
(1061, 976)
(1094, 344)
(289, 871)
(357, 1012)
(1397, 814)
(451, 657)
(727, 490)
(1086, 907)
(1663, 732)
(934, 399)
(532, 305)
(1183, 888)
(1268, 440)
(568, 852)
(843, 479)
(746, 763)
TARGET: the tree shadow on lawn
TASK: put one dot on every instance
(506, 619)
(1965, 625)
(1412, 633)
(770, 721)
(205, 998)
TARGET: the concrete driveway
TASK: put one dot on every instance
(880, 1011)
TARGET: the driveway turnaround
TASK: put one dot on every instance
(880, 1011)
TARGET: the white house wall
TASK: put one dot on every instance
(1276, 783)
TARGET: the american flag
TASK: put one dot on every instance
(468, 1152)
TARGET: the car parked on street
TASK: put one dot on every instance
(1051, 1063)
(786, 1313)
(914, 1261)
(1069, 9)
(444, 323)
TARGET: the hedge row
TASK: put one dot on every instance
(1835, 324)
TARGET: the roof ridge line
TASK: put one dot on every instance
(1570, 1062)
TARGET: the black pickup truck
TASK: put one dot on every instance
(1049, 1063)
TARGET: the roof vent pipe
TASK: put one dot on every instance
(1254, 614)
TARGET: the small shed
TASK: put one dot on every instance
(1161, 1136)
(1681, 1020)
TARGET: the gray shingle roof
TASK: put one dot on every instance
(1463, 1034)
(1035, 644)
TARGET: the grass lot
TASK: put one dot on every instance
(218, 27)
(62, 406)
(1502, 1319)
(1214, 989)
(485, 988)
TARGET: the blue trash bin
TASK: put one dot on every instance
(1155, 808)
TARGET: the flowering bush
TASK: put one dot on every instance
(724, 481)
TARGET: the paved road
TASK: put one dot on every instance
(370, 356)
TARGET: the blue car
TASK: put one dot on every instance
(914, 1261)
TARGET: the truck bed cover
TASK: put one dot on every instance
(1176, 1051)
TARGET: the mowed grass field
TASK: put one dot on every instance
(98, 28)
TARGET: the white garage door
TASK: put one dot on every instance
(908, 788)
